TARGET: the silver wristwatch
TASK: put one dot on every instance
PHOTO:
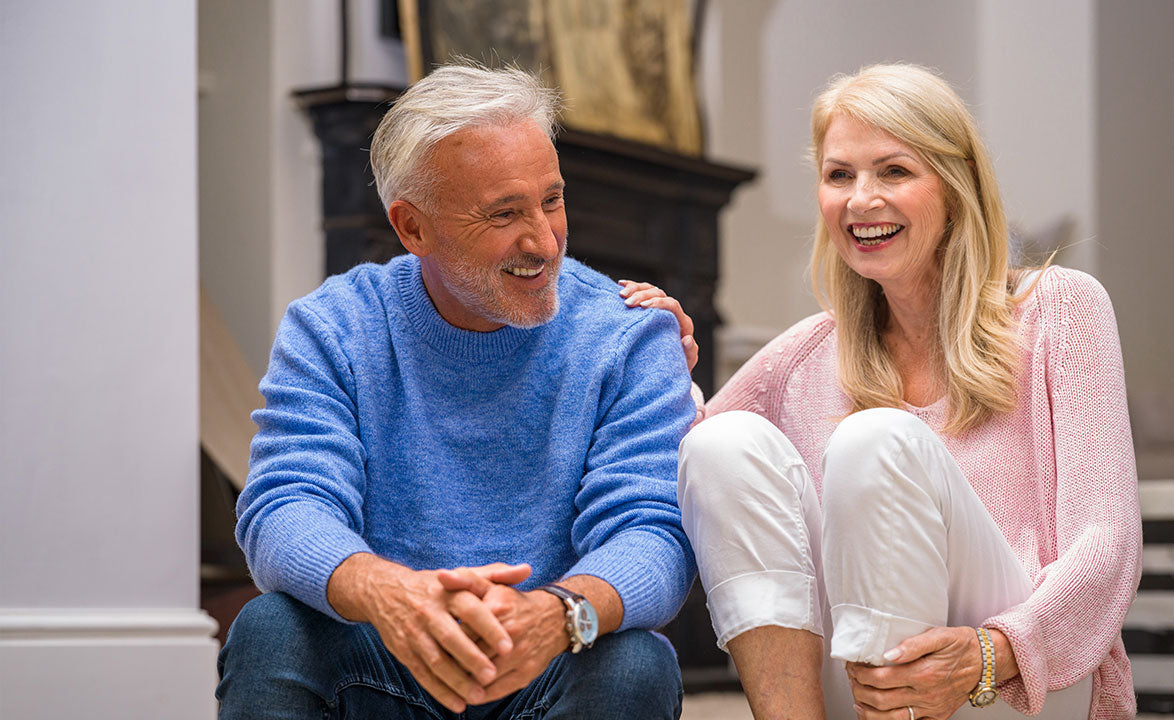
(582, 622)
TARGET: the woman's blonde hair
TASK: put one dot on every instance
(978, 349)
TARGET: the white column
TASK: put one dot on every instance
(1037, 96)
(1134, 115)
(99, 448)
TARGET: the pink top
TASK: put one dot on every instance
(1057, 475)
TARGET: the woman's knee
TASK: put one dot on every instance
(862, 446)
(719, 434)
(719, 457)
(865, 431)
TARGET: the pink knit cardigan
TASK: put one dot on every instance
(1057, 475)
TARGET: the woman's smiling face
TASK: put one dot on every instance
(884, 206)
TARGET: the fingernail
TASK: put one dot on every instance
(504, 647)
(893, 654)
(485, 676)
(687, 341)
(646, 303)
(623, 282)
(476, 695)
(630, 301)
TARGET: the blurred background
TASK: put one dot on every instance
(173, 174)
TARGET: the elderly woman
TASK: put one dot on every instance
(933, 481)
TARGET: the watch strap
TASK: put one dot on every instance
(562, 592)
(571, 600)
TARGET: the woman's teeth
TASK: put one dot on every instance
(524, 272)
(874, 234)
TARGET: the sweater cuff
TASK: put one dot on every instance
(1027, 690)
(313, 575)
(301, 564)
(651, 574)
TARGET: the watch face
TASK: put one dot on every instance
(985, 697)
(586, 623)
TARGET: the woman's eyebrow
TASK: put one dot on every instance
(890, 156)
(878, 161)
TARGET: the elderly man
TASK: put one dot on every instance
(462, 495)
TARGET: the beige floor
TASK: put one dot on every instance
(732, 706)
(716, 706)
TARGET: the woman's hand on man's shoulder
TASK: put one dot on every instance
(646, 295)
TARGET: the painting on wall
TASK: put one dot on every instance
(625, 67)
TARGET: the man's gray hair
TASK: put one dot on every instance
(450, 99)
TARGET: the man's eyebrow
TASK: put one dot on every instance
(505, 200)
(517, 197)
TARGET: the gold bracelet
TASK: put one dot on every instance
(984, 694)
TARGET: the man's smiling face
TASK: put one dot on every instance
(497, 229)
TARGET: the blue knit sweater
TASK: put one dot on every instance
(387, 430)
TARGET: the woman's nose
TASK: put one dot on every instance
(865, 196)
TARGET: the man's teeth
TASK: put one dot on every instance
(524, 272)
(874, 234)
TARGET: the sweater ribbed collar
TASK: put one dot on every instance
(446, 339)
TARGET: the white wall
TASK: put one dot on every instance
(1037, 100)
(1135, 154)
(261, 240)
(98, 378)
(304, 53)
(235, 158)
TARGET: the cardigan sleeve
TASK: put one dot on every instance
(1071, 621)
(300, 513)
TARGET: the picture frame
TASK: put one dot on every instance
(625, 68)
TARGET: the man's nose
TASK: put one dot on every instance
(543, 235)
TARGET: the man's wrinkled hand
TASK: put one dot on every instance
(478, 580)
(469, 585)
(421, 623)
(536, 621)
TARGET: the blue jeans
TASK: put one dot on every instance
(283, 659)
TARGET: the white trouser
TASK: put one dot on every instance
(906, 544)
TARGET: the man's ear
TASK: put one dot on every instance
(412, 226)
